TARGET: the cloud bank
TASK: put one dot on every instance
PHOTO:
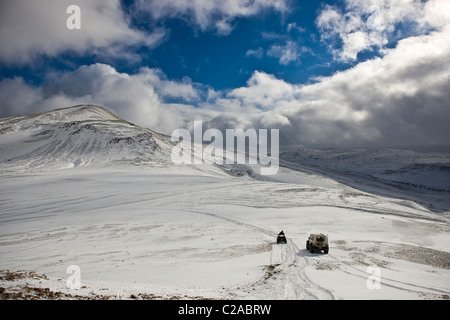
(401, 98)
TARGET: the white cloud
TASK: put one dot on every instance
(354, 43)
(287, 53)
(257, 53)
(436, 15)
(216, 15)
(372, 24)
(223, 27)
(138, 98)
(262, 91)
(293, 26)
(29, 29)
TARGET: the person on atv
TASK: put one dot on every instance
(281, 237)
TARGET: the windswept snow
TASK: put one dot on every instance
(83, 187)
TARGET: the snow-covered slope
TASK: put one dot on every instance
(137, 226)
(429, 169)
(77, 136)
(423, 177)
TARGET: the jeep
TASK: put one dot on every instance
(317, 241)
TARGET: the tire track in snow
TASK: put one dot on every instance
(400, 285)
(295, 284)
(291, 281)
(299, 266)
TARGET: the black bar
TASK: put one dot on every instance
(224, 309)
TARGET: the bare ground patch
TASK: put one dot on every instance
(28, 285)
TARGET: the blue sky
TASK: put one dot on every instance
(326, 73)
(223, 61)
(227, 61)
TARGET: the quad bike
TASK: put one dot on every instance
(281, 238)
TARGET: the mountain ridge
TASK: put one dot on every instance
(78, 135)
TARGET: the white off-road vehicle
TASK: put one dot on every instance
(317, 241)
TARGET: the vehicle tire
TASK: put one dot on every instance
(311, 250)
(307, 245)
(325, 251)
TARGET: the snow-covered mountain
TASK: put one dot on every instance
(77, 136)
(82, 189)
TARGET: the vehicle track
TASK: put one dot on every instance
(396, 284)
(291, 280)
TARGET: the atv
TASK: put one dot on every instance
(318, 242)
(281, 238)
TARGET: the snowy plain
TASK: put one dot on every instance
(82, 187)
